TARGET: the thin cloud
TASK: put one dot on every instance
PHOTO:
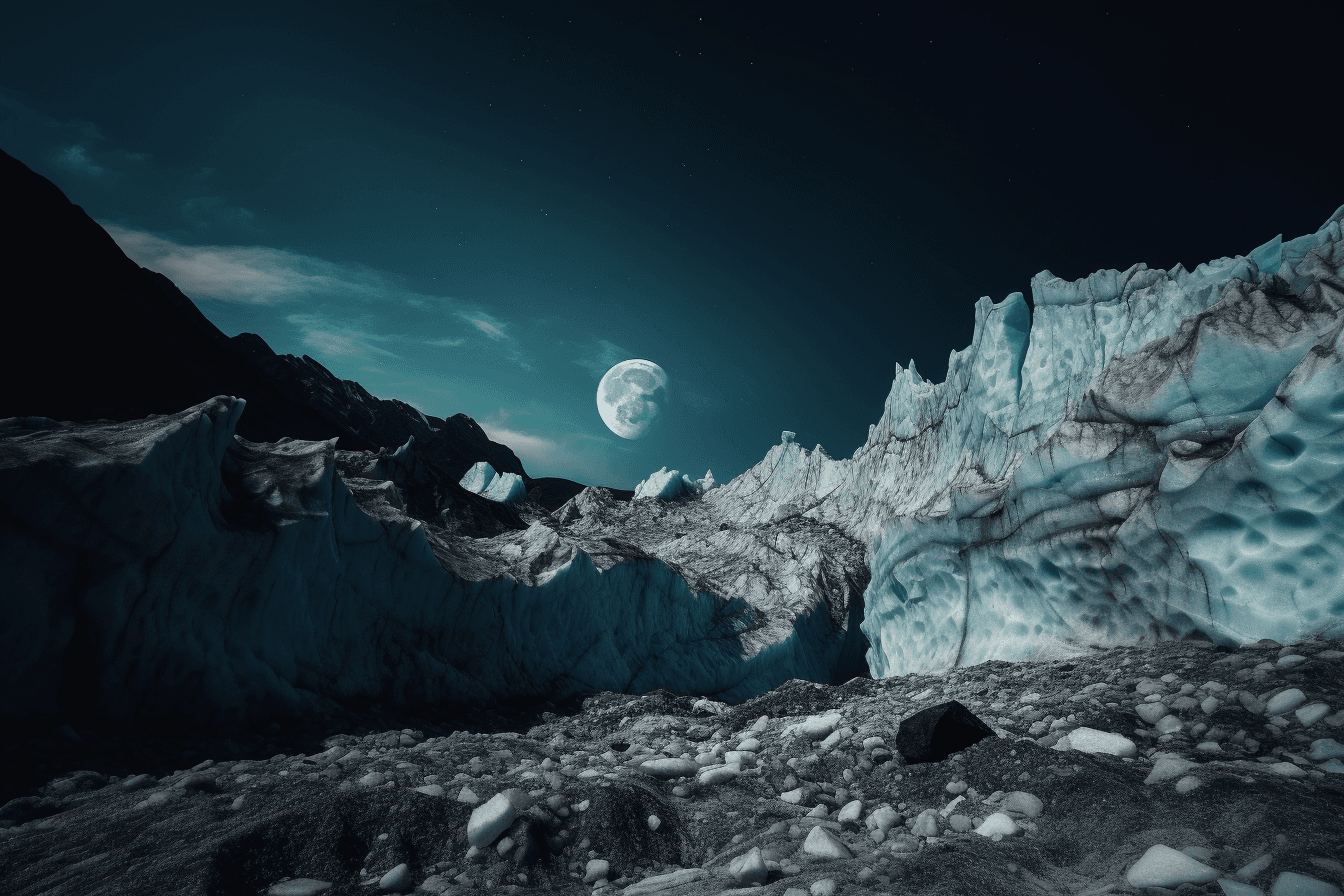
(485, 323)
(578, 456)
(599, 356)
(211, 211)
(342, 340)
(257, 275)
(76, 158)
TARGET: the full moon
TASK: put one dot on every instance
(631, 396)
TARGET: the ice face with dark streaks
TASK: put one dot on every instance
(1156, 454)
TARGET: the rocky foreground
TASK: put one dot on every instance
(1180, 768)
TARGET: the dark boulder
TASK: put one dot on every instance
(933, 734)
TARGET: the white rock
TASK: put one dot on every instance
(596, 870)
(1169, 767)
(1325, 748)
(467, 795)
(299, 886)
(850, 812)
(668, 769)
(719, 774)
(814, 727)
(750, 868)
(1255, 866)
(1236, 888)
(654, 822)
(662, 882)
(1150, 712)
(1090, 740)
(824, 845)
(1288, 770)
(396, 880)
(792, 796)
(1187, 784)
(1284, 701)
(430, 790)
(824, 887)
(998, 823)
(490, 819)
(1028, 804)
(1162, 866)
(1168, 725)
(1290, 883)
(883, 819)
(1311, 714)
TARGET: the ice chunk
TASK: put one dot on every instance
(506, 488)
(665, 484)
(478, 478)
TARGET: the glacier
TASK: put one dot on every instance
(1137, 455)
(1151, 454)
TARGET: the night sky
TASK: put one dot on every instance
(479, 208)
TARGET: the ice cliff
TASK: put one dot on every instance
(165, 567)
(1157, 454)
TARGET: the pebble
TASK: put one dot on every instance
(299, 886)
(1090, 740)
(1187, 784)
(1284, 701)
(926, 824)
(1254, 867)
(490, 819)
(1287, 769)
(1290, 883)
(1311, 714)
(719, 774)
(396, 880)
(1150, 712)
(825, 845)
(667, 769)
(1027, 804)
(595, 870)
(430, 790)
(824, 887)
(1325, 748)
(1162, 866)
(850, 812)
(1168, 767)
(372, 779)
(467, 795)
(999, 823)
(1236, 888)
(750, 868)
(660, 882)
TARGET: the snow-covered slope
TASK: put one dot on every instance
(1156, 454)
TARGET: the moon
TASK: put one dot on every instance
(631, 396)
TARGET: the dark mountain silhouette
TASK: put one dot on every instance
(94, 336)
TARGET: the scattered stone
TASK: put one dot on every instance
(933, 734)
(1285, 701)
(1025, 803)
(1169, 767)
(998, 823)
(1290, 883)
(1090, 740)
(397, 880)
(825, 845)
(595, 870)
(1254, 867)
(667, 769)
(430, 790)
(1162, 866)
(1187, 784)
(490, 819)
(750, 868)
(299, 886)
(824, 887)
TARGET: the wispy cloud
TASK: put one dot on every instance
(599, 356)
(76, 158)
(260, 275)
(257, 275)
(579, 456)
(339, 339)
(487, 324)
(211, 211)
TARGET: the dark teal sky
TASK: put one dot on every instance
(479, 208)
